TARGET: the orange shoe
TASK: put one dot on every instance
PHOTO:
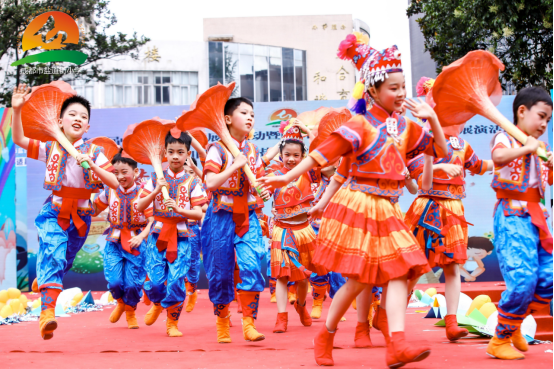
(223, 332)
(361, 338)
(305, 317)
(292, 294)
(404, 353)
(323, 347)
(381, 323)
(147, 301)
(453, 332)
(249, 330)
(317, 309)
(153, 314)
(354, 306)
(519, 341)
(191, 303)
(118, 311)
(34, 286)
(131, 318)
(173, 314)
(502, 349)
(281, 324)
(48, 323)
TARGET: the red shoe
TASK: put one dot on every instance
(281, 324)
(380, 322)
(453, 332)
(323, 347)
(361, 338)
(403, 352)
(305, 317)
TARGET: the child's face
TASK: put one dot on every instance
(392, 93)
(241, 122)
(189, 170)
(176, 154)
(292, 155)
(534, 121)
(477, 253)
(125, 174)
(74, 122)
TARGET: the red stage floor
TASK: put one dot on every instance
(89, 340)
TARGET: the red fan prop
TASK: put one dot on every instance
(145, 142)
(470, 86)
(312, 118)
(109, 146)
(200, 136)
(207, 112)
(41, 112)
(328, 124)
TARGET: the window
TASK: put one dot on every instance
(261, 73)
(83, 89)
(149, 88)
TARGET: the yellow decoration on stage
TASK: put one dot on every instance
(431, 291)
(4, 296)
(14, 293)
(36, 304)
(6, 311)
(15, 304)
(23, 299)
(110, 297)
(487, 309)
(477, 303)
(76, 299)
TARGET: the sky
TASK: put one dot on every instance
(182, 20)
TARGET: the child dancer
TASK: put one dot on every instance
(168, 248)
(522, 239)
(436, 217)
(293, 241)
(125, 246)
(64, 221)
(362, 234)
(231, 224)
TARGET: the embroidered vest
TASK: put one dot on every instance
(125, 203)
(296, 197)
(180, 190)
(56, 162)
(515, 176)
(235, 184)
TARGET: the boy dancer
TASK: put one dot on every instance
(522, 237)
(168, 248)
(231, 224)
(125, 246)
(64, 220)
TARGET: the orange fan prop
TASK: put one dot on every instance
(109, 146)
(207, 112)
(200, 136)
(145, 142)
(470, 86)
(312, 118)
(41, 112)
(328, 124)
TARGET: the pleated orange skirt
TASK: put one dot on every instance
(363, 236)
(446, 220)
(292, 250)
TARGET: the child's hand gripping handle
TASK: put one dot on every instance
(70, 148)
(235, 151)
(160, 174)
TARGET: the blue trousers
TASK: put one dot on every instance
(525, 266)
(161, 271)
(193, 274)
(219, 242)
(124, 272)
(58, 248)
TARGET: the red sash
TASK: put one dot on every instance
(240, 211)
(125, 239)
(70, 204)
(168, 237)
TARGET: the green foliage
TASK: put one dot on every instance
(96, 41)
(518, 32)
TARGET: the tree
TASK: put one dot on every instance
(518, 32)
(95, 41)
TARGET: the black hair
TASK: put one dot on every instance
(482, 243)
(194, 161)
(529, 97)
(232, 104)
(286, 142)
(118, 158)
(183, 139)
(76, 99)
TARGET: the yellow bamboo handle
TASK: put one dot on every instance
(160, 174)
(68, 146)
(495, 116)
